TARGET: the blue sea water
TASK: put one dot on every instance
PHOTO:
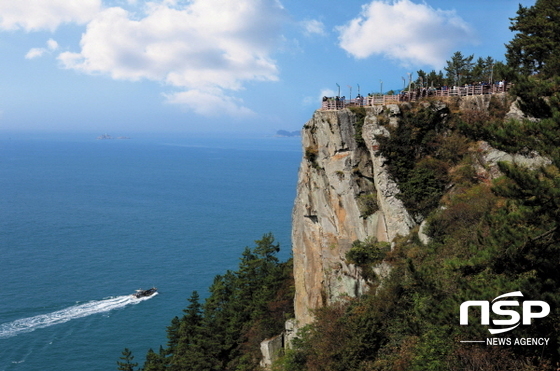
(85, 222)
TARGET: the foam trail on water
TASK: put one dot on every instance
(76, 311)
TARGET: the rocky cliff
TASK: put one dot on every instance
(344, 194)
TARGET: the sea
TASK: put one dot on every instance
(86, 222)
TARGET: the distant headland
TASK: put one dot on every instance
(285, 133)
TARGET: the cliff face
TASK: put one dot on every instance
(339, 179)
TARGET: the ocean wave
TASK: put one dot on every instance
(29, 324)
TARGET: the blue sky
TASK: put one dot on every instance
(126, 66)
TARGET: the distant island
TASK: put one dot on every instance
(107, 136)
(285, 133)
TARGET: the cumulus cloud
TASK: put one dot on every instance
(52, 45)
(35, 15)
(206, 47)
(405, 31)
(313, 27)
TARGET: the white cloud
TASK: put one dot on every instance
(35, 53)
(205, 47)
(35, 15)
(408, 32)
(52, 45)
(313, 27)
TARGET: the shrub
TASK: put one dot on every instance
(412, 139)
(464, 174)
(360, 113)
(367, 253)
(497, 108)
(425, 186)
(460, 225)
(311, 153)
(368, 204)
(451, 148)
(473, 124)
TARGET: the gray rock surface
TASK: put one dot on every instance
(327, 216)
(271, 349)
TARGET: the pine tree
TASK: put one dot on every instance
(435, 79)
(173, 335)
(155, 361)
(127, 358)
(459, 69)
(187, 328)
(190, 323)
(422, 77)
(502, 71)
(535, 49)
(483, 70)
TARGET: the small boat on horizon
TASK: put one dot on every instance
(143, 293)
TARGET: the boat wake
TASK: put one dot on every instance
(29, 324)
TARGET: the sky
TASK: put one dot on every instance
(246, 66)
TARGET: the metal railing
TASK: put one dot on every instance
(336, 103)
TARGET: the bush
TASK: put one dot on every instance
(413, 151)
(360, 113)
(424, 187)
(368, 252)
(451, 148)
(368, 204)
(311, 153)
(473, 124)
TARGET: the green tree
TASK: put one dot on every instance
(421, 180)
(535, 49)
(534, 56)
(184, 334)
(435, 79)
(173, 335)
(502, 71)
(126, 364)
(459, 69)
(431, 79)
(483, 70)
(421, 81)
(155, 361)
(191, 320)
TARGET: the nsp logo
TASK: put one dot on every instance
(498, 308)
